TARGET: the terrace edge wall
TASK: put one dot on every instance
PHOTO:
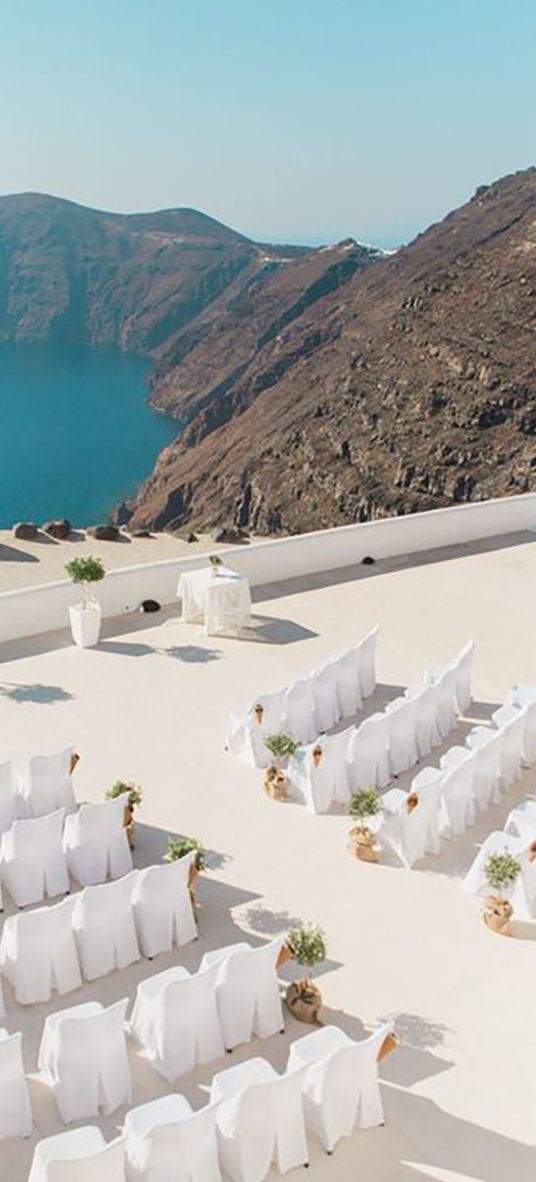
(31, 611)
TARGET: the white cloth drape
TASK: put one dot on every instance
(168, 1142)
(38, 952)
(83, 1057)
(80, 1155)
(103, 923)
(247, 990)
(32, 860)
(163, 910)
(259, 1120)
(96, 842)
(15, 1109)
(175, 1018)
(44, 784)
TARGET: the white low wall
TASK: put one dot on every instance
(33, 610)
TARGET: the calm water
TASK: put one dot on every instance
(76, 433)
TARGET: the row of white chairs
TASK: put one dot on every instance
(97, 930)
(309, 706)
(255, 1117)
(35, 787)
(443, 801)
(388, 742)
(180, 1019)
(38, 854)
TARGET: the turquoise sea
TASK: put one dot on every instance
(76, 432)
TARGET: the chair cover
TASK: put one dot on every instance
(32, 861)
(462, 665)
(528, 747)
(15, 1109)
(45, 784)
(103, 923)
(175, 1018)
(245, 736)
(340, 1090)
(425, 699)
(513, 732)
(327, 706)
(458, 799)
(368, 753)
(413, 834)
(523, 894)
(367, 663)
(96, 842)
(402, 731)
(445, 681)
(259, 1120)
(299, 710)
(81, 1155)
(486, 744)
(163, 910)
(319, 779)
(247, 991)
(167, 1142)
(38, 953)
(521, 821)
(347, 666)
(83, 1056)
(7, 797)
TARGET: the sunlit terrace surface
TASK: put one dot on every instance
(151, 704)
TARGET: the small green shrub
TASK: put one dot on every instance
(215, 560)
(501, 871)
(85, 570)
(121, 788)
(307, 944)
(280, 745)
(178, 847)
(363, 804)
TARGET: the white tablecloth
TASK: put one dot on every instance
(219, 601)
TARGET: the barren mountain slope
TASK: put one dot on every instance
(413, 386)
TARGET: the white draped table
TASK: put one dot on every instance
(220, 601)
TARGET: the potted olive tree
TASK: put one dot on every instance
(363, 806)
(178, 847)
(501, 872)
(281, 747)
(306, 944)
(85, 615)
(133, 798)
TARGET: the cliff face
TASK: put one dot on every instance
(411, 386)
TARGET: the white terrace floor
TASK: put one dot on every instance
(151, 704)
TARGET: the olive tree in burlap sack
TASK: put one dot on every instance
(364, 804)
(307, 946)
(501, 872)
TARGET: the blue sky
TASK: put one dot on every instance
(295, 120)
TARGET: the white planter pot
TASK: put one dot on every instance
(85, 624)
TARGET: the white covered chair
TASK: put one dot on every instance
(411, 828)
(340, 1090)
(15, 1110)
(521, 820)
(80, 1155)
(83, 1058)
(32, 861)
(163, 910)
(524, 697)
(458, 799)
(347, 668)
(327, 707)
(445, 682)
(247, 991)
(462, 665)
(96, 842)
(318, 773)
(368, 753)
(300, 710)
(523, 893)
(38, 953)
(104, 928)
(245, 736)
(511, 723)
(167, 1141)
(486, 743)
(7, 797)
(175, 1019)
(425, 699)
(367, 663)
(259, 1120)
(45, 784)
(402, 729)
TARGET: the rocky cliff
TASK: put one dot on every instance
(410, 386)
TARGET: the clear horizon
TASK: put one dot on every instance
(304, 123)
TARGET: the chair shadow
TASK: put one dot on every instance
(45, 695)
(125, 648)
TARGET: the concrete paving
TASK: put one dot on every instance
(151, 704)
